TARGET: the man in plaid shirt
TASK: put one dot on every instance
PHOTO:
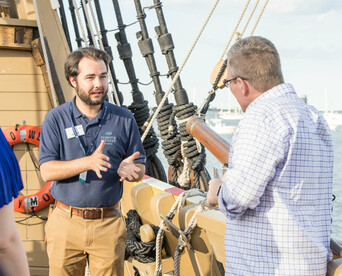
(277, 191)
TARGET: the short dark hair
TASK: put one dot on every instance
(73, 59)
(256, 59)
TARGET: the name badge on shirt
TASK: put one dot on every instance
(83, 177)
(70, 134)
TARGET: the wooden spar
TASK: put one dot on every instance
(219, 147)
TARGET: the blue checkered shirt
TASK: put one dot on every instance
(278, 189)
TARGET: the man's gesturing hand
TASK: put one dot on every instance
(127, 169)
(98, 161)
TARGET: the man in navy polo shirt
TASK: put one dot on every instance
(88, 147)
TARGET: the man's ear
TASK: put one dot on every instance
(243, 86)
(72, 81)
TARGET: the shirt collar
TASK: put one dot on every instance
(77, 113)
(276, 91)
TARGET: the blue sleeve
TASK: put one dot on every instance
(49, 147)
(10, 176)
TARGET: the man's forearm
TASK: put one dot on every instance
(58, 170)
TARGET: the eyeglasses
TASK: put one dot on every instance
(226, 82)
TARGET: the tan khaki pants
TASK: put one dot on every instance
(71, 239)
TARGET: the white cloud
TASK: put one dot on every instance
(305, 7)
(324, 16)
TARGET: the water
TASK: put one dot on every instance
(337, 189)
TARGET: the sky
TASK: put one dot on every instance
(307, 34)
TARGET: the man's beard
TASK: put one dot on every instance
(85, 97)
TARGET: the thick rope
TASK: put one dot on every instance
(153, 165)
(178, 72)
(48, 69)
(184, 177)
(160, 237)
(171, 140)
(143, 252)
(232, 35)
(258, 19)
(196, 156)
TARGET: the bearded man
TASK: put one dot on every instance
(88, 147)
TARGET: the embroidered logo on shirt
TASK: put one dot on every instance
(108, 138)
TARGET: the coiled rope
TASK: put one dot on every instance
(194, 152)
(171, 140)
(143, 252)
(178, 73)
(154, 167)
(184, 113)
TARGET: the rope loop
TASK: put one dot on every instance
(143, 252)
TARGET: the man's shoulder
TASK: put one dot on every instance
(57, 112)
(59, 109)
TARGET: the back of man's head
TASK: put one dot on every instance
(256, 59)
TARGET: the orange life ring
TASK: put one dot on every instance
(22, 134)
(41, 199)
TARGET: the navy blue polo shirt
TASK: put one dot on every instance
(122, 139)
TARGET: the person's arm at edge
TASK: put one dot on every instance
(13, 259)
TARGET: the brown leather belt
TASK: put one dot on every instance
(89, 213)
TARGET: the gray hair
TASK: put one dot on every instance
(73, 59)
(256, 59)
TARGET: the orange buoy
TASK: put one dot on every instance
(40, 200)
